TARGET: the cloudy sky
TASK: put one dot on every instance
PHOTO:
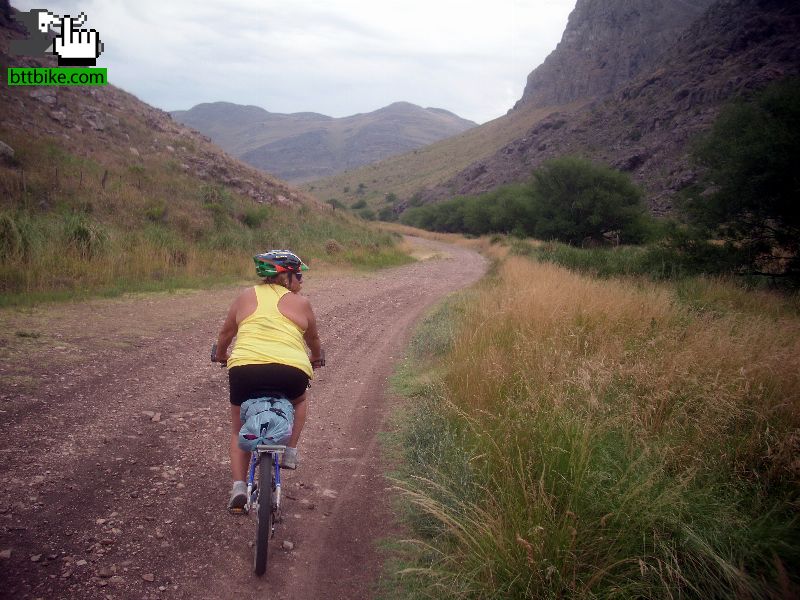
(339, 57)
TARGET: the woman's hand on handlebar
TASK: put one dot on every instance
(318, 362)
(215, 358)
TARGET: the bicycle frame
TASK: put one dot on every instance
(274, 452)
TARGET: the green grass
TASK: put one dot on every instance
(616, 261)
(148, 205)
(77, 228)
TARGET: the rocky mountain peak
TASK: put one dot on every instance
(647, 125)
(607, 43)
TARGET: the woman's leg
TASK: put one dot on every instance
(300, 407)
(239, 457)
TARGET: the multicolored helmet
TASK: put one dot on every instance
(269, 264)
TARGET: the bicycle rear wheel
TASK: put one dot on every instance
(264, 514)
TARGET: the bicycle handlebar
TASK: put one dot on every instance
(320, 362)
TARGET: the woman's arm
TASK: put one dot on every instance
(227, 333)
(311, 336)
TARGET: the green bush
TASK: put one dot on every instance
(358, 204)
(387, 214)
(576, 201)
(254, 217)
(218, 201)
(367, 214)
(569, 199)
(748, 195)
(86, 238)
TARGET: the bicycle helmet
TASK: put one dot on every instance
(269, 264)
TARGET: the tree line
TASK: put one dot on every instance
(569, 199)
(742, 216)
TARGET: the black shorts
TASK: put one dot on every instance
(260, 381)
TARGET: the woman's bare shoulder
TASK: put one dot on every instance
(296, 299)
(248, 292)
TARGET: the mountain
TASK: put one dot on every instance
(102, 193)
(117, 133)
(631, 84)
(302, 146)
(605, 44)
(647, 125)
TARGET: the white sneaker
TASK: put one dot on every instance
(238, 495)
(289, 458)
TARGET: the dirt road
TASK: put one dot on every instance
(114, 436)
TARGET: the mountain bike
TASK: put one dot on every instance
(264, 498)
(263, 494)
(264, 488)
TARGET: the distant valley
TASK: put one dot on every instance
(300, 147)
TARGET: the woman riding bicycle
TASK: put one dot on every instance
(270, 322)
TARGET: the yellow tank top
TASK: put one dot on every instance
(266, 336)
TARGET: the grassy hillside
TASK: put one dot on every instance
(599, 439)
(103, 193)
(406, 174)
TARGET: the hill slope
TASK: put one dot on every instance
(606, 43)
(646, 127)
(102, 192)
(302, 146)
(406, 174)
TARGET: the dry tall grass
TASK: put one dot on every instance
(701, 379)
(597, 438)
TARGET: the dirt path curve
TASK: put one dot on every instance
(113, 444)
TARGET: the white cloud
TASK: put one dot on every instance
(338, 58)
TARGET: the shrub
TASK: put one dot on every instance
(569, 199)
(86, 238)
(358, 204)
(333, 247)
(387, 214)
(576, 200)
(748, 194)
(367, 214)
(217, 200)
(254, 217)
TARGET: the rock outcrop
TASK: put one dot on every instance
(607, 43)
(646, 126)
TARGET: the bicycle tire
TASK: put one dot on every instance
(264, 514)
